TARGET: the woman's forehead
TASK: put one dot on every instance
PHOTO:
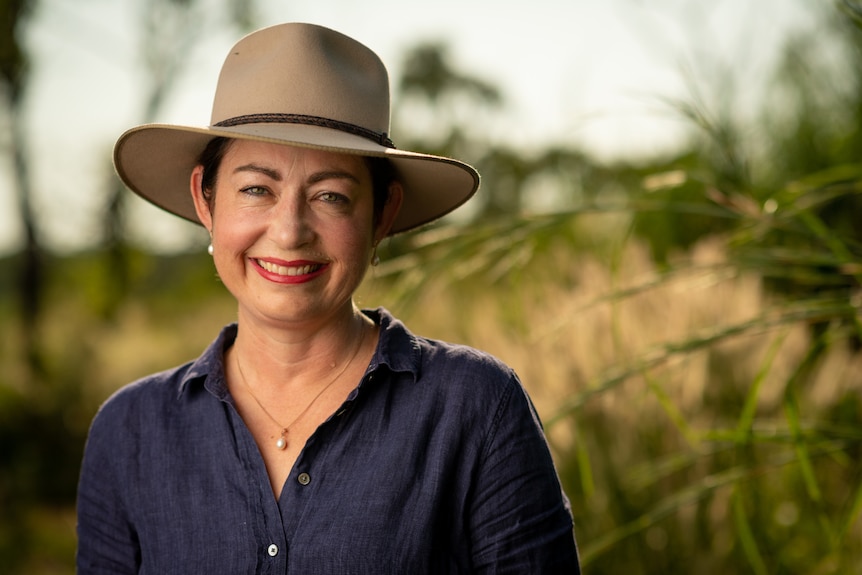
(286, 158)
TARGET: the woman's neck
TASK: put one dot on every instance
(275, 356)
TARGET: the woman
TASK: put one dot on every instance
(312, 437)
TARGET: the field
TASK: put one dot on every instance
(693, 416)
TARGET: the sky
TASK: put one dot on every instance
(587, 73)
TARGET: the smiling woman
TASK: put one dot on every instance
(311, 436)
(289, 216)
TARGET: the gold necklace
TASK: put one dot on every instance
(281, 442)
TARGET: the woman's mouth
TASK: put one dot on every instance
(288, 270)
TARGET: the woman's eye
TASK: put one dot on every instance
(254, 190)
(332, 197)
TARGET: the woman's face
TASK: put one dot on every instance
(292, 229)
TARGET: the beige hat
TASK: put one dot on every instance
(302, 85)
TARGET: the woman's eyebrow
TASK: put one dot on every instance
(313, 179)
(270, 173)
(332, 175)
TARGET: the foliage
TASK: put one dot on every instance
(763, 470)
(689, 328)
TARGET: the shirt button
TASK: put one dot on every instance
(272, 550)
(304, 479)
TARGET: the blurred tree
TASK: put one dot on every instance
(429, 73)
(438, 104)
(170, 29)
(14, 75)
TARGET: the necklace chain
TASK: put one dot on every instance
(281, 443)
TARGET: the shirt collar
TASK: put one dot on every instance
(397, 349)
(209, 367)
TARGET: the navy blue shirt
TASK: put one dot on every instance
(435, 463)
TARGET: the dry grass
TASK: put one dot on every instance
(665, 453)
(575, 335)
(641, 417)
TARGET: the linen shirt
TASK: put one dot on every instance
(435, 463)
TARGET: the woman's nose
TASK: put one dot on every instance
(290, 226)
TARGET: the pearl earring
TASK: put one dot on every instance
(210, 249)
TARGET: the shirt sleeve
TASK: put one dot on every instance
(107, 542)
(521, 520)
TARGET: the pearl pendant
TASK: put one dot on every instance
(281, 443)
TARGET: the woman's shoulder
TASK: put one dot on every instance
(149, 394)
(464, 388)
(446, 365)
(159, 392)
(462, 359)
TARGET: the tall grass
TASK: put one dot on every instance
(702, 420)
(693, 344)
(691, 333)
(699, 423)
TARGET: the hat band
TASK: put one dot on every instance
(377, 137)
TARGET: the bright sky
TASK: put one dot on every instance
(584, 72)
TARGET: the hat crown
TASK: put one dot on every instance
(298, 85)
(303, 69)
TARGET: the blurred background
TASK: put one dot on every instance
(667, 247)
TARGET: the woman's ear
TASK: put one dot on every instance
(202, 203)
(390, 211)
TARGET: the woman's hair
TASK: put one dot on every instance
(381, 169)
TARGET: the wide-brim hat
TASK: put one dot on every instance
(302, 85)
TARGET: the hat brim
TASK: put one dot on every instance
(155, 161)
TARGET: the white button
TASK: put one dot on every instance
(272, 550)
(304, 479)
